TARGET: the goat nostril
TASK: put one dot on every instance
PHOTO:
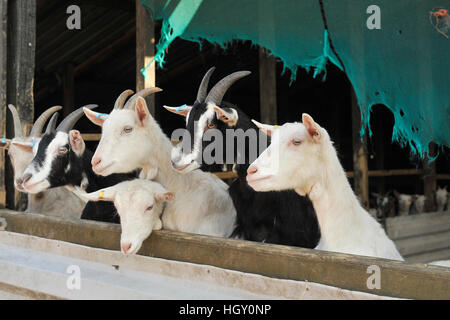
(26, 177)
(126, 246)
(19, 181)
(252, 170)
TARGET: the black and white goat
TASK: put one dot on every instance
(61, 159)
(60, 201)
(273, 217)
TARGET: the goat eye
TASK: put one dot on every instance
(127, 129)
(296, 142)
(62, 150)
(211, 125)
(149, 208)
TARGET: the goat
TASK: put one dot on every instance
(418, 204)
(441, 198)
(58, 202)
(272, 217)
(61, 159)
(131, 139)
(139, 203)
(404, 203)
(309, 164)
(385, 205)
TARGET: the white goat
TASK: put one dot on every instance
(404, 203)
(57, 202)
(418, 205)
(132, 139)
(309, 165)
(140, 204)
(441, 198)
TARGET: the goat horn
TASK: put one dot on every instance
(40, 122)
(67, 124)
(218, 91)
(52, 123)
(143, 93)
(121, 99)
(17, 125)
(203, 89)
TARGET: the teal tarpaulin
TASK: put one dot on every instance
(404, 65)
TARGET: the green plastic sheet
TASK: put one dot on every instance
(404, 65)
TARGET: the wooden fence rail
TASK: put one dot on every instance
(398, 279)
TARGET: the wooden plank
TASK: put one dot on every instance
(412, 229)
(145, 52)
(267, 87)
(3, 72)
(416, 217)
(360, 165)
(20, 76)
(226, 175)
(424, 243)
(398, 279)
(437, 255)
(429, 180)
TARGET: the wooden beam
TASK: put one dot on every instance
(398, 279)
(3, 72)
(267, 87)
(20, 75)
(145, 52)
(360, 166)
(68, 89)
(429, 180)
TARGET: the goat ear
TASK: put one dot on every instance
(76, 142)
(106, 194)
(181, 110)
(142, 111)
(312, 128)
(266, 128)
(228, 115)
(4, 143)
(24, 146)
(95, 117)
(164, 197)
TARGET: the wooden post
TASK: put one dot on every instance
(3, 68)
(68, 89)
(360, 166)
(145, 51)
(429, 180)
(379, 156)
(267, 87)
(20, 64)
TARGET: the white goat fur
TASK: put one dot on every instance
(418, 205)
(202, 204)
(139, 204)
(441, 198)
(310, 166)
(58, 202)
(404, 203)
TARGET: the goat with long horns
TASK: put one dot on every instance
(59, 202)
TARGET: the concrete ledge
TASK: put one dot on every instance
(398, 279)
